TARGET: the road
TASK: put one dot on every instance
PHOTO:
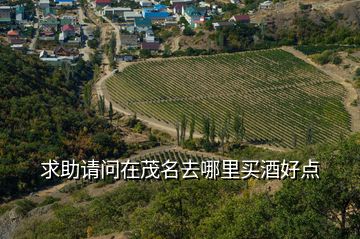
(86, 51)
(32, 45)
(117, 34)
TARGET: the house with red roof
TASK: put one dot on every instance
(12, 33)
(67, 31)
(68, 28)
(14, 38)
(244, 19)
(102, 3)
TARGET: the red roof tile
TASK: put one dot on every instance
(68, 27)
(12, 33)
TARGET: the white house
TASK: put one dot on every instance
(180, 1)
(115, 11)
(145, 3)
(149, 36)
(131, 16)
(265, 5)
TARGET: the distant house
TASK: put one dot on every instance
(128, 41)
(152, 46)
(220, 25)
(149, 36)
(142, 24)
(157, 12)
(177, 8)
(68, 30)
(44, 4)
(17, 47)
(55, 60)
(48, 26)
(19, 11)
(180, 1)
(266, 5)
(14, 37)
(131, 16)
(62, 51)
(65, 2)
(5, 14)
(194, 15)
(145, 3)
(49, 21)
(244, 19)
(126, 58)
(102, 3)
(115, 11)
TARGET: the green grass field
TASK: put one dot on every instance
(281, 96)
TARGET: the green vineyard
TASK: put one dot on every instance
(282, 97)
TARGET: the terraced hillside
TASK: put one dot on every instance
(281, 96)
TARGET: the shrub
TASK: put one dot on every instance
(93, 43)
(323, 58)
(337, 60)
(357, 72)
(139, 127)
(188, 31)
(48, 200)
(24, 206)
(81, 196)
(190, 144)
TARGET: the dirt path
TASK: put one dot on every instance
(351, 95)
(116, 30)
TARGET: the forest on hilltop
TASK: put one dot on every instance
(42, 117)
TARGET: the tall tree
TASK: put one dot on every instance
(183, 126)
(294, 140)
(206, 129)
(101, 105)
(239, 126)
(111, 112)
(222, 136)
(87, 95)
(192, 127)
(177, 128)
(227, 126)
(309, 136)
(212, 135)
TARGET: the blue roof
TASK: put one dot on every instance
(20, 9)
(64, 1)
(153, 14)
(194, 11)
(159, 7)
(143, 22)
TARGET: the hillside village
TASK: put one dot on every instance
(59, 31)
(66, 30)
